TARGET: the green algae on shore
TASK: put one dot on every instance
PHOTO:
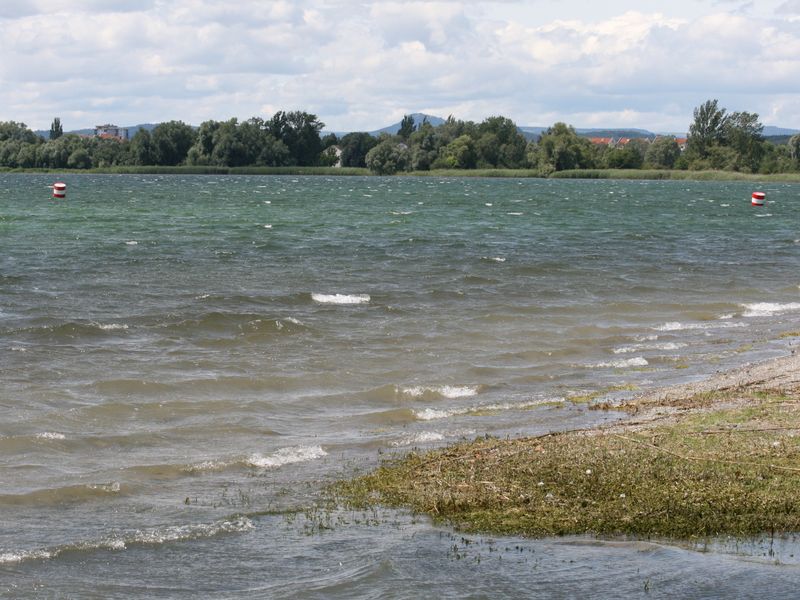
(728, 463)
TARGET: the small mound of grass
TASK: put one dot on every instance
(725, 471)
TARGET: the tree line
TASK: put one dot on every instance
(717, 139)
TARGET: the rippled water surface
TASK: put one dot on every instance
(185, 361)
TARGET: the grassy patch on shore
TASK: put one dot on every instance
(633, 174)
(658, 174)
(720, 469)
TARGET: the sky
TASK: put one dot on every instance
(362, 65)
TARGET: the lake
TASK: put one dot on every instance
(186, 361)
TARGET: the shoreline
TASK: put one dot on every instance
(715, 457)
(583, 174)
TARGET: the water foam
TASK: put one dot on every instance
(341, 298)
(769, 309)
(445, 391)
(640, 347)
(423, 437)
(432, 414)
(677, 326)
(50, 435)
(156, 536)
(286, 456)
(638, 361)
(112, 326)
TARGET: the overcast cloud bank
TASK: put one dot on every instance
(361, 65)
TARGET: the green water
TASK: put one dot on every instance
(184, 356)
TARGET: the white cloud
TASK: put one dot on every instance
(362, 64)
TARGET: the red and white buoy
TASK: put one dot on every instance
(758, 198)
(59, 190)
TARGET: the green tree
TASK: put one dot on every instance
(388, 157)
(424, 147)
(707, 129)
(459, 154)
(355, 147)
(743, 134)
(273, 152)
(56, 130)
(10, 130)
(500, 143)
(299, 131)
(406, 127)
(627, 157)
(171, 142)
(561, 148)
(9, 150)
(203, 147)
(662, 153)
(108, 152)
(794, 149)
(79, 159)
(141, 148)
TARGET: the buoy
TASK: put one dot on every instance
(59, 190)
(758, 198)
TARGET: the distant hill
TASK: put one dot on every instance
(772, 131)
(419, 118)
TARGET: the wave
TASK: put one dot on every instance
(769, 309)
(70, 330)
(423, 437)
(140, 537)
(341, 298)
(640, 347)
(279, 458)
(678, 326)
(433, 414)
(66, 494)
(439, 392)
(234, 325)
(638, 361)
(286, 456)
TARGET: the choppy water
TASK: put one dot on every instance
(184, 359)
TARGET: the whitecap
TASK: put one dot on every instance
(638, 361)
(677, 326)
(446, 391)
(132, 243)
(431, 414)
(51, 435)
(119, 542)
(113, 326)
(178, 533)
(341, 298)
(286, 456)
(640, 347)
(424, 437)
(646, 338)
(23, 555)
(769, 309)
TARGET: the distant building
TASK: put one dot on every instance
(602, 141)
(682, 143)
(111, 132)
